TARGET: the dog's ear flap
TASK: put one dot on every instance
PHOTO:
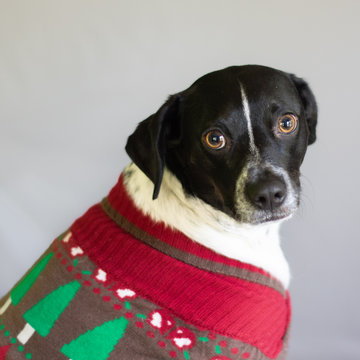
(148, 144)
(309, 103)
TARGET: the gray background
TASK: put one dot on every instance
(77, 76)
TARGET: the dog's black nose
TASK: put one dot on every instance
(266, 194)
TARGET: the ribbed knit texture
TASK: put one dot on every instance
(192, 302)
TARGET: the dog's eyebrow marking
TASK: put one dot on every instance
(253, 149)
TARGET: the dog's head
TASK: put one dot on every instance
(235, 139)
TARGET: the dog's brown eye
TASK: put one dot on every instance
(287, 123)
(214, 139)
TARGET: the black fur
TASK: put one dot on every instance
(310, 106)
(147, 146)
(172, 136)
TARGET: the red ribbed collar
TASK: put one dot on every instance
(201, 287)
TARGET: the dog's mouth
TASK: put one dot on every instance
(248, 212)
(265, 193)
(257, 217)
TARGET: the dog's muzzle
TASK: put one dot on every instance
(264, 193)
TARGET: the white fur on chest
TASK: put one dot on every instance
(258, 245)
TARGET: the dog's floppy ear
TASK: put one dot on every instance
(309, 103)
(148, 144)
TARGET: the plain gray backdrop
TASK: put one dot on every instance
(77, 76)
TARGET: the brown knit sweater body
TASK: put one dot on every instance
(116, 285)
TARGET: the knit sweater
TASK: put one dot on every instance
(118, 285)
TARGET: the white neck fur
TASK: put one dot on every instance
(258, 245)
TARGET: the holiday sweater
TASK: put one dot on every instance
(117, 285)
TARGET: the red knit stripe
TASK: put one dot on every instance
(243, 310)
(121, 201)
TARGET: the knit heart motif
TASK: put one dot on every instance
(76, 251)
(156, 320)
(125, 294)
(161, 320)
(182, 342)
(100, 275)
(182, 338)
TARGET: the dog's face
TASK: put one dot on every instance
(235, 139)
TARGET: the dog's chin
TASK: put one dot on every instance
(257, 217)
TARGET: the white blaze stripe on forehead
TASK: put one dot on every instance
(253, 149)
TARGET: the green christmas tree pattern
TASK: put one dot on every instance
(24, 286)
(42, 316)
(98, 343)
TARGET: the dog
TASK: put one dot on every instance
(182, 259)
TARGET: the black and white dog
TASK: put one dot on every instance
(183, 258)
(222, 160)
